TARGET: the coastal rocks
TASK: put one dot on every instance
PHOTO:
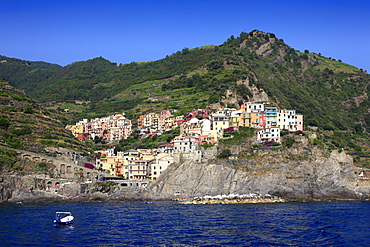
(15, 188)
(304, 175)
(233, 199)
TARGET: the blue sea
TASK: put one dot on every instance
(172, 224)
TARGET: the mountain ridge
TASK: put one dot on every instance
(314, 85)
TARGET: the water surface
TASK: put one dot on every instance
(172, 224)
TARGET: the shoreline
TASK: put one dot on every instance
(231, 201)
(183, 202)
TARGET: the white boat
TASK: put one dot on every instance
(63, 218)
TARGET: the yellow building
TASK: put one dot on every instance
(76, 129)
(107, 163)
(250, 119)
(146, 154)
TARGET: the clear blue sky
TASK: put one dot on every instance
(66, 31)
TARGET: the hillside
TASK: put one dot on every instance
(27, 126)
(323, 89)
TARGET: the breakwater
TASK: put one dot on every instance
(232, 199)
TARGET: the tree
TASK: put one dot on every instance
(4, 123)
(358, 129)
(328, 126)
(224, 154)
(29, 110)
(185, 51)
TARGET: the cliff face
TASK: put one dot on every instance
(30, 188)
(303, 174)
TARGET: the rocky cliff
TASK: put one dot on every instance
(303, 172)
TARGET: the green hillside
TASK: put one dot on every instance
(27, 126)
(330, 93)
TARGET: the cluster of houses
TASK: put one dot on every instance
(112, 128)
(197, 127)
(137, 164)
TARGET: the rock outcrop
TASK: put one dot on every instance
(302, 174)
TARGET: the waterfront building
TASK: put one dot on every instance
(139, 169)
(162, 161)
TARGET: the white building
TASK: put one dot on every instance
(185, 144)
(290, 120)
(269, 134)
(162, 161)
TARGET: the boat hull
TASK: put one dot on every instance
(64, 221)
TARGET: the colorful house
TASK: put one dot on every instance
(139, 169)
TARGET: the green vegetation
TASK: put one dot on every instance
(207, 145)
(134, 141)
(323, 89)
(4, 123)
(226, 153)
(330, 94)
(239, 137)
(25, 125)
(289, 141)
(8, 160)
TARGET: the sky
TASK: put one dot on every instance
(124, 31)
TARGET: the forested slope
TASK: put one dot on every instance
(330, 93)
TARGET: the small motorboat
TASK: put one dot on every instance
(63, 218)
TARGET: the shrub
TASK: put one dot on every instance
(4, 123)
(224, 154)
(207, 145)
(289, 142)
(29, 110)
(328, 126)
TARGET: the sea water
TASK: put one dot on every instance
(172, 224)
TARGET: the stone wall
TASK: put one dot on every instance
(63, 167)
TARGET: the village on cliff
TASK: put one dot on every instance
(197, 128)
